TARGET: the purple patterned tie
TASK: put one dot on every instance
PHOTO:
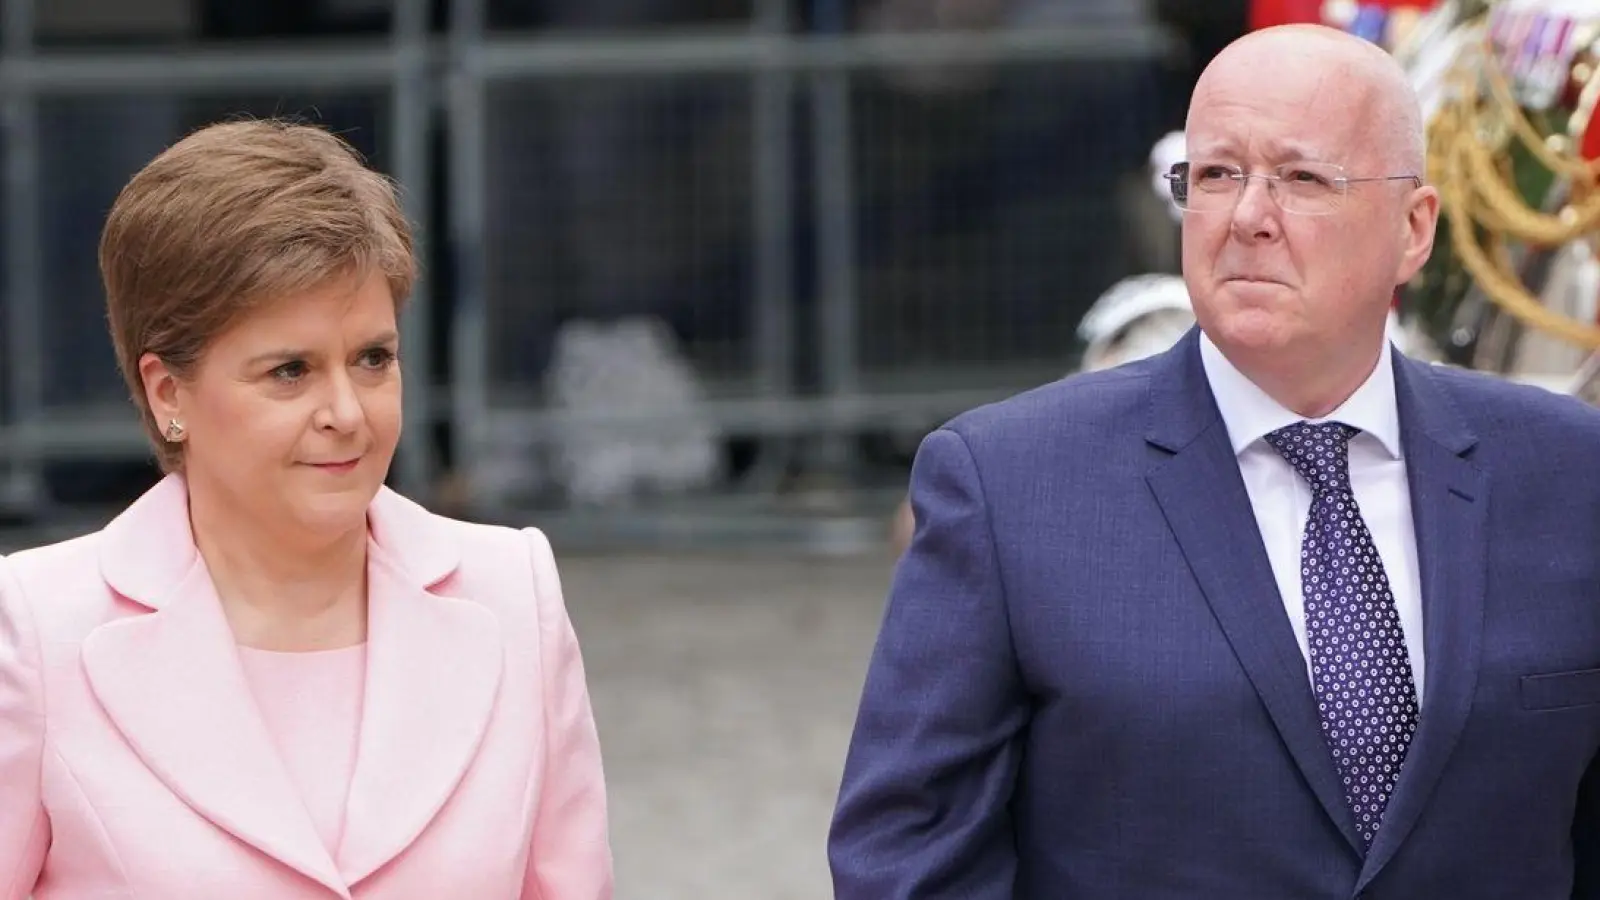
(1360, 671)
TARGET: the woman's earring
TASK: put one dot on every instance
(174, 431)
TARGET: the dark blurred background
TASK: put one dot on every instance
(719, 262)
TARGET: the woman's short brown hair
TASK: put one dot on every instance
(235, 215)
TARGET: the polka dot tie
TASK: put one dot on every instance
(1360, 671)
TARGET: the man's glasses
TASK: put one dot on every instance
(1302, 188)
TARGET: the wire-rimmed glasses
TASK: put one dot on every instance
(1303, 188)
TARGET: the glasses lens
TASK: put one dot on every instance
(1304, 188)
(1204, 186)
(1309, 188)
(1178, 183)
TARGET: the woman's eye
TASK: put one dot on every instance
(290, 371)
(377, 358)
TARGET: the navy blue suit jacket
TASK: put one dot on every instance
(1086, 686)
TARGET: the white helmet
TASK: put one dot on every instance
(1167, 152)
(1137, 317)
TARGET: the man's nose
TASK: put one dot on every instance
(1255, 213)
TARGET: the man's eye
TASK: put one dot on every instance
(1305, 176)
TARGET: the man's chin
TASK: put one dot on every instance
(1252, 328)
(1248, 292)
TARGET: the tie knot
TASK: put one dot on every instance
(1319, 451)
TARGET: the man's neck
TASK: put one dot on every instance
(1313, 389)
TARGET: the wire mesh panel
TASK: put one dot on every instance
(841, 234)
(7, 373)
(568, 17)
(617, 269)
(989, 214)
(86, 101)
(89, 147)
(612, 199)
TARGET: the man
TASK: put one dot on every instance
(1278, 613)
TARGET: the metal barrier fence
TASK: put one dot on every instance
(811, 238)
(63, 398)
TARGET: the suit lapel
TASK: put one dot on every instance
(171, 683)
(1203, 497)
(433, 673)
(1449, 503)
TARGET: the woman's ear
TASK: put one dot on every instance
(160, 389)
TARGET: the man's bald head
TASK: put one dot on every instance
(1293, 277)
(1388, 104)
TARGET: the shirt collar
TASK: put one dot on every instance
(1250, 415)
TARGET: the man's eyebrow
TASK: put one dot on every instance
(1294, 151)
(1276, 151)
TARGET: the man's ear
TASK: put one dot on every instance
(1421, 226)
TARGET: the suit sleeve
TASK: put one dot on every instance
(922, 811)
(24, 828)
(1586, 836)
(571, 854)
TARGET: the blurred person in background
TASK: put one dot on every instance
(1279, 612)
(615, 241)
(270, 676)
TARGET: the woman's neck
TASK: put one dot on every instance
(280, 593)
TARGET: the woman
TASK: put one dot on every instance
(271, 677)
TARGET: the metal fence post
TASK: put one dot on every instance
(469, 376)
(836, 320)
(23, 484)
(412, 111)
(772, 160)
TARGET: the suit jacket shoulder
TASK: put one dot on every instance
(511, 571)
(1090, 416)
(1500, 409)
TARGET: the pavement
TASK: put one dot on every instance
(724, 689)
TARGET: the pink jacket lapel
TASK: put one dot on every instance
(171, 682)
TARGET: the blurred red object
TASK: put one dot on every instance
(1589, 143)
(1266, 13)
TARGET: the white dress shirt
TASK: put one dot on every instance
(1281, 499)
